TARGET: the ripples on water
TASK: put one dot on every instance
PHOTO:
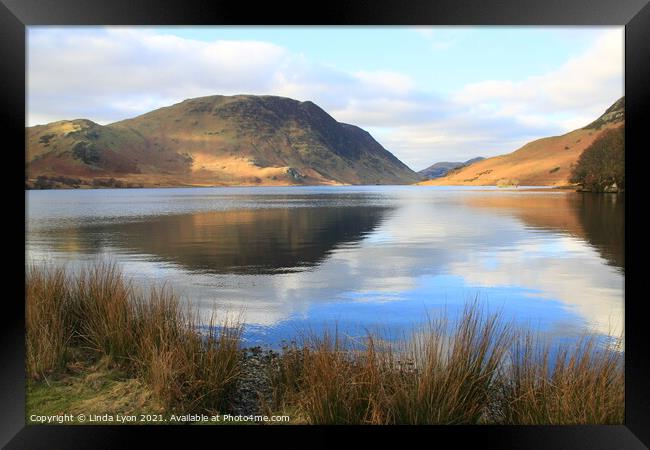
(359, 257)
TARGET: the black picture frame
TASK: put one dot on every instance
(15, 15)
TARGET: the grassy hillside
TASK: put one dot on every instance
(217, 140)
(544, 162)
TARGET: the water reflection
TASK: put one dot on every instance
(603, 219)
(598, 219)
(360, 257)
(255, 241)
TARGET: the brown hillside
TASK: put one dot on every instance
(217, 140)
(544, 162)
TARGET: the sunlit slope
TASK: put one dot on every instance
(544, 162)
(250, 140)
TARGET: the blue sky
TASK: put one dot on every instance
(478, 52)
(426, 93)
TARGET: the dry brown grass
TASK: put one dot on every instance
(151, 337)
(454, 370)
(336, 384)
(103, 311)
(476, 371)
(437, 377)
(47, 320)
(581, 384)
(188, 370)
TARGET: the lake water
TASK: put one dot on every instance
(303, 258)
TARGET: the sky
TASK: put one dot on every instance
(427, 94)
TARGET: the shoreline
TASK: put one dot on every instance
(181, 186)
(94, 346)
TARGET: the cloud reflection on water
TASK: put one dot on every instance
(549, 257)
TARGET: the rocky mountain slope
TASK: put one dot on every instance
(216, 140)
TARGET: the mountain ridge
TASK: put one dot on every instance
(440, 169)
(215, 140)
(546, 161)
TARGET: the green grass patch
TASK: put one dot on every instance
(96, 389)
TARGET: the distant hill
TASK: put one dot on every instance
(544, 162)
(216, 140)
(440, 169)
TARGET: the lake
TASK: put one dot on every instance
(293, 259)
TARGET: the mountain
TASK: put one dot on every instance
(440, 169)
(544, 162)
(216, 140)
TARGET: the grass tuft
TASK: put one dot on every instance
(47, 319)
(477, 370)
(96, 313)
(581, 384)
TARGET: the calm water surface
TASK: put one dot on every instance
(303, 258)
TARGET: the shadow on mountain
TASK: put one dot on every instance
(253, 241)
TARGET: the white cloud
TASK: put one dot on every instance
(584, 85)
(115, 73)
(108, 74)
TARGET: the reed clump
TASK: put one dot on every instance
(443, 375)
(184, 368)
(454, 371)
(478, 370)
(97, 314)
(583, 383)
(48, 320)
